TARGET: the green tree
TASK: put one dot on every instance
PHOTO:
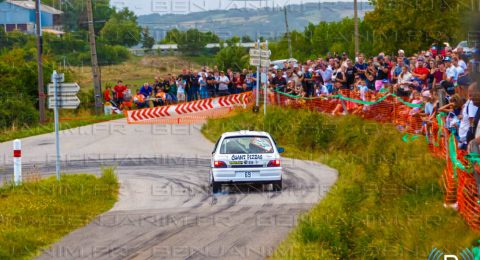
(193, 42)
(18, 98)
(246, 38)
(414, 25)
(232, 56)
(122, 29)
(75, 13)
(172, 36)
(301, 48)
(147, 40)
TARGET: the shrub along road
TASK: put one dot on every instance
(165, 206)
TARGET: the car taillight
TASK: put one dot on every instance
(219, 164)
(273, 163)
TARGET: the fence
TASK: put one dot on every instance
(189, 112)
(458, 180)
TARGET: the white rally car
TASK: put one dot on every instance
(246, 157)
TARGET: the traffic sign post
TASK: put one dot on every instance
(261, 58)
(262, 55)
(61, 96)
(55, 113)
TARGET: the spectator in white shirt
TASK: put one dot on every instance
(223, 82)
(452, 72)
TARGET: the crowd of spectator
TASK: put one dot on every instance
(437, 80)
(188, 86)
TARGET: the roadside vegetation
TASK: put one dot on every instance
(38, 213)
(134, 72)
(22, 131)
(387, 202)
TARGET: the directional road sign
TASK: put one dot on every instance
(254, 53)
(65, 102)
(265, 54)
(64, 88)
(258, 62)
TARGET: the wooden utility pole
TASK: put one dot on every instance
(41, 90)
(97, 87)
(288, 33)
(355, 17)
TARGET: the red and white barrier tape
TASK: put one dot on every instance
(187, 109)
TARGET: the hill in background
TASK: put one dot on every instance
(266, 22)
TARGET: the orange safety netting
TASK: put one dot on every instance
(459, 185)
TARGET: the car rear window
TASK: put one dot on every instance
(246, 145)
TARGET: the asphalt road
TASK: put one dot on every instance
(166, 209)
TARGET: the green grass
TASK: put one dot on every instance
(36, 214)
(387, 202)
(202, 60)
(78, 120)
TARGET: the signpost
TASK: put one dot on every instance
(260, 57)
(65, 102)
(61, 96)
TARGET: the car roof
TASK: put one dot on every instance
(245, 133)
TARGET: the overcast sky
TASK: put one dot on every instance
(141, 7)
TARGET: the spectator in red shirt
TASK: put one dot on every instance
(421, 74)
(119, 89)
(106, 95)
(238, 82)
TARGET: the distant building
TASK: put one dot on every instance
(173, 48)
(20, 15)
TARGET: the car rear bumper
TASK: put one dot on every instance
(258, 175)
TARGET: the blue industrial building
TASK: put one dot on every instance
(20, 15)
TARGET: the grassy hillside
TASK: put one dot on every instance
(39, 213)
(251, 18)
(134, 72)
(387, 202)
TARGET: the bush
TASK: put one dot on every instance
(17, 112)
(387, 201)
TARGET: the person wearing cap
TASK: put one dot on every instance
(451, 77)
(308, 80)
(429, 108)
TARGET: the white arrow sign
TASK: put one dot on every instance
(65, 102)
(254, 61)
(258, 62)
(254, 53)
(64, 88)
(265, 54)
